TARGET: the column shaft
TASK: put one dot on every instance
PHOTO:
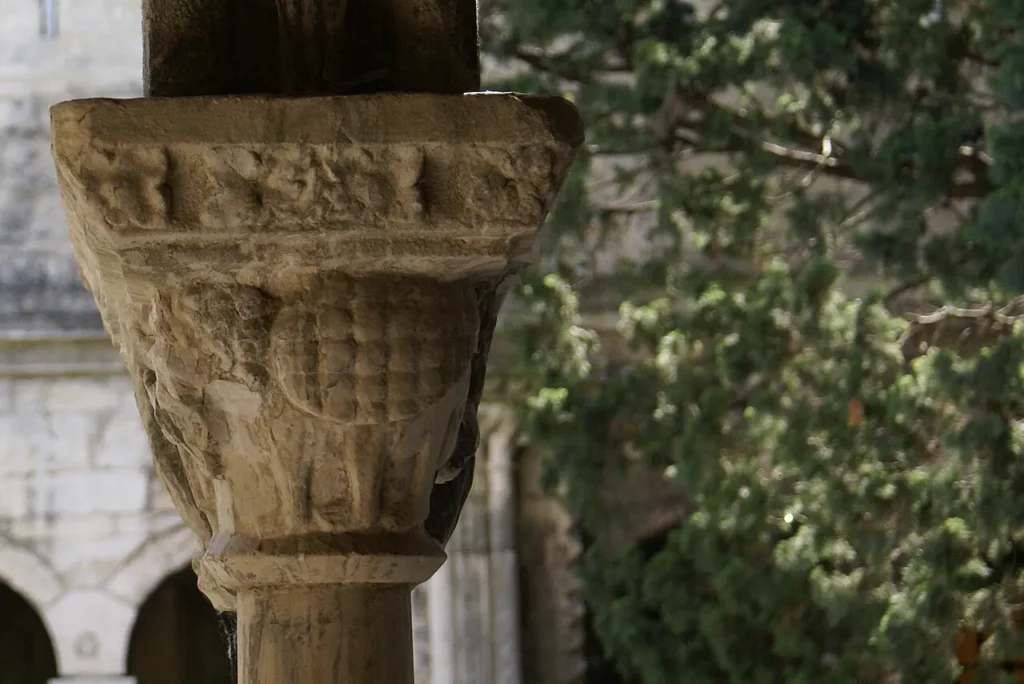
(325, 634)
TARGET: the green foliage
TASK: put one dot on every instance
(853, 501)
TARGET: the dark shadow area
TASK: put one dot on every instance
(26, 652)
(176, 638)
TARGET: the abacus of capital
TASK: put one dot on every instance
(303, 277)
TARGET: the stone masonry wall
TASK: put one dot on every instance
(97, 51)
(86, 529)
(87, 532)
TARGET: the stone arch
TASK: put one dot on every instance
(118, 600)
(34, 581)
(177, 637)
(27, 654)
(30, 576)
(88, 632)
(145, 568)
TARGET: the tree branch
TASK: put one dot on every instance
(965, 331)
(833, 164)
(903, 288)
(670, 124)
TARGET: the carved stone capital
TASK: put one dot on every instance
(268, 191)
(301, 289)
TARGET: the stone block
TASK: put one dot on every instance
(122, 441)
(88, 57)
(109, 16)
(34, 441)
(148, 525)
(421, 634)
(31, 394)
(24, 120)
(113, 491)
(86, 394)
(145, 568)
(31, 532)
(49, 528)
(6, 399)
(14, 497)
(68, 442)
(27, 182)
(159, 497)
(19, 445)
(20, 24)
(87, 562)
(28, 574)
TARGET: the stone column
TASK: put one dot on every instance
(302, 290)
(473, 600)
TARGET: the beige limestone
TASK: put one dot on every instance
(303, 291)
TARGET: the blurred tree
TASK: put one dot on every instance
(850, 454)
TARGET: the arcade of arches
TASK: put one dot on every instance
(26, 652)
(175, 639)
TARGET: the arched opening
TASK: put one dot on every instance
(26, 652)
(176, 638)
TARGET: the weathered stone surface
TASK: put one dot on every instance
(553, 628)
(304, 291)
(81, 651)
(67, 425)
(39, 287)
(406, 183)
(75, 482)
(97, 50)
(50, 372)
(28, 575)
(78, 539)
